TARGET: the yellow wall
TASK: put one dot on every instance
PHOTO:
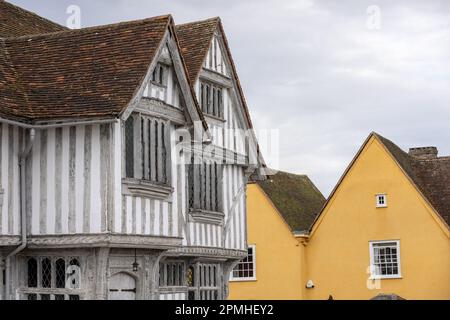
(337, 255)
(278, 253)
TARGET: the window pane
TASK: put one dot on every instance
(190, 277)
(32, 273)
(129, 147)
(60, 268)
(46, 273)
(161, 75)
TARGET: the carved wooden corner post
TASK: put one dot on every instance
(228, 267)
(153, 279)
(101, 273)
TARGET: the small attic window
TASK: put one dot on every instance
(159, 75)
(381, 200)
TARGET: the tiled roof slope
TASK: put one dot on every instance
(11, 92)
(296, 198)
(90, 72)
(195, 40)
(431, 176)
(15, 22)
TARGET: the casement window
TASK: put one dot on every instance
(211, 99)
(52, 278)
(381, 200)
(203, 280)
(172, 274)
(147, 149)
(157, 86)
(246, 269)
(205, 186)
(159, 75)
(385, 259)
(214, 59)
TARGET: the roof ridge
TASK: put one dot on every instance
(433, 159)
(91, 28)
(217, 18)
(289, 173)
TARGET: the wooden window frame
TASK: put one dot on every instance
(211, 99)
(202, 288)
(204, 187)
(373, 269)
(381, 200)
(164, 282)
(151, 156)
(253, 261)
(52, 291)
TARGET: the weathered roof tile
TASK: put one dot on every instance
(431, 176)
(15, 22)
(90, 72)
(295, 197)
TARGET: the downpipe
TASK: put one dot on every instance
(23, 215)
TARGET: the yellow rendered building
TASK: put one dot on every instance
(277, 209)
(382, 234)
(384, 231)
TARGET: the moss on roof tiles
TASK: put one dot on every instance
(295, 197)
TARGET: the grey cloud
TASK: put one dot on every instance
(314, 71)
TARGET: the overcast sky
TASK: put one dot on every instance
(325, 73)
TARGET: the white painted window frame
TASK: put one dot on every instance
(377, 202)
(237, 279)
(372, 264)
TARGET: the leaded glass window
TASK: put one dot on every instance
(52, 278)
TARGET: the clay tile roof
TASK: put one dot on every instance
(15, 22)
(195, 39)
(90, 72)
(296, 198)
(431, 176)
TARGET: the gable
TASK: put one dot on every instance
(202, 43)
(166, 81)
(216, 57)
(163, 84)
(431, 176)
(194, 39)
(374, 171)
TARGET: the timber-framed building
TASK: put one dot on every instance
(122, 169)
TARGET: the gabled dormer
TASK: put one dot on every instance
(164, 103)
(214, 79)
